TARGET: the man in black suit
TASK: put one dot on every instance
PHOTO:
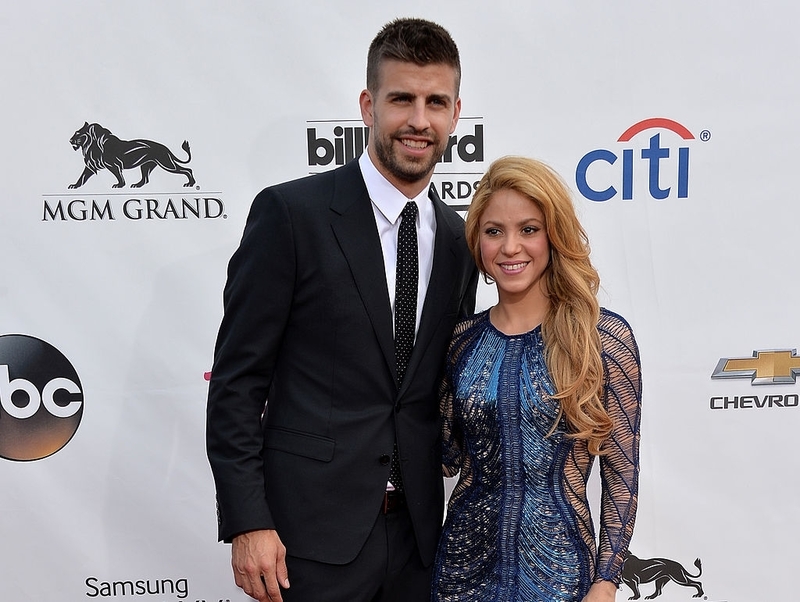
(313, 396)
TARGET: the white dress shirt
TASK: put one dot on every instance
(388, 204)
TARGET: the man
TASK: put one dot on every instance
(320, 318)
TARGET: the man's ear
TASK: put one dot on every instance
(366, 104)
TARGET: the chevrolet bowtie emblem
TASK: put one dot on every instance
(775, 367)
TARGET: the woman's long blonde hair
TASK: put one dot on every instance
(569, 329)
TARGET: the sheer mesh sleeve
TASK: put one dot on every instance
(619, 467)
(451, 432)
(451, 443)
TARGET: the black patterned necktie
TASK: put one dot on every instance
(405, 308)
(405, 289)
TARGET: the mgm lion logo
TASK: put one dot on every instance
(660, 570)
(102, 149)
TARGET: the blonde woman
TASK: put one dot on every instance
(536, 387)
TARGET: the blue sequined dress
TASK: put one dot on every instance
(518, 526)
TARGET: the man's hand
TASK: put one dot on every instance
(259, 564)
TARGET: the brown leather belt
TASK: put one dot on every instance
(393, 501)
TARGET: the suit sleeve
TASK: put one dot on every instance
(257, 301)
(468, 300)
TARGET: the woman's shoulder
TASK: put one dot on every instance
(469, 325)
(467, 330)
(615, 330)
(610, 319)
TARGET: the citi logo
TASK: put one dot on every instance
(334, 143)
(664, 167)
(41, 398)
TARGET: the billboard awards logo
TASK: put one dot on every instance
(332, 143)
(103, 152)
(763, 367)
(41, 398)
(664, 162)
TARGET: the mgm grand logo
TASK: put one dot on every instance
(659, 572)
(102, 150)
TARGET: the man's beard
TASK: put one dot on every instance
(406, 170)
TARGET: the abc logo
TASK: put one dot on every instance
(41, 399)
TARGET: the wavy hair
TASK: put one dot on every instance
(569, 329)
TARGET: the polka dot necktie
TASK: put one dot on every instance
(405, 308)
(405, 289)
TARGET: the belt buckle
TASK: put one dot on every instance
(392, 500)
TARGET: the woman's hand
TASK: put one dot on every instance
(602, 591)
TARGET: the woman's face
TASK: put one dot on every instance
(515, 250)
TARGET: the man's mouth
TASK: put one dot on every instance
(414, 144)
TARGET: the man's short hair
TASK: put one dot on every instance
(412, 41)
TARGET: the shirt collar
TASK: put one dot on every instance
(390, 201)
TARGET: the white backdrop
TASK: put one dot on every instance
(131, 300)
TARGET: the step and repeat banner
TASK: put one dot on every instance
(674, 124)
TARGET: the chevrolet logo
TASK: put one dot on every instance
(776, 367)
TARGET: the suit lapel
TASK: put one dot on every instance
(353, 223)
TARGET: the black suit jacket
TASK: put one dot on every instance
(308, 327)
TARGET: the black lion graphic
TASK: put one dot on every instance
(102, 149)
(660, 570)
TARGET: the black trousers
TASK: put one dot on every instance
(388, 569)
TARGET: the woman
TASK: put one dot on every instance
(535, 388)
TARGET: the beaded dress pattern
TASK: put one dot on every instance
(518, 524)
